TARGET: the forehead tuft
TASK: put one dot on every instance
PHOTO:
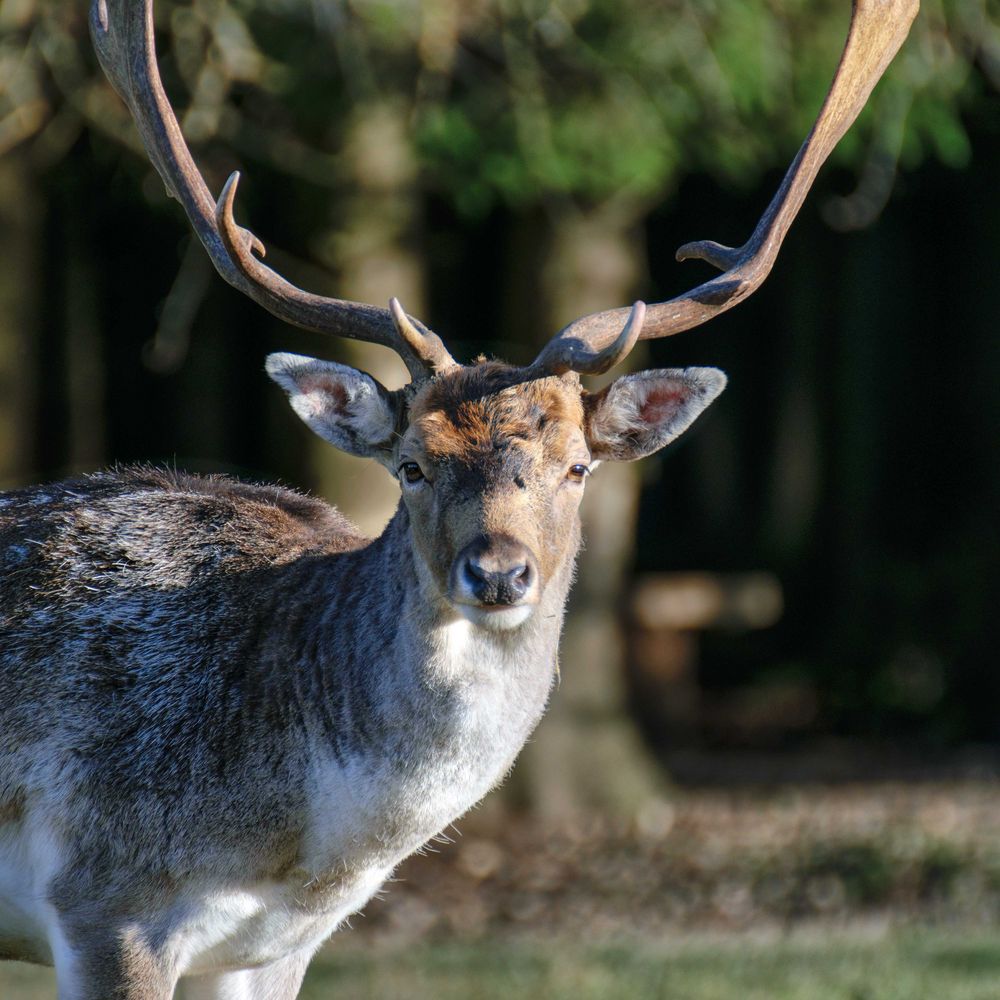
(473, 407)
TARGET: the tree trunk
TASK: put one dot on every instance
(85, 364)
(20, 216)
(371, 252)
(588, 754)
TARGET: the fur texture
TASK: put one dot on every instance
(226, 716)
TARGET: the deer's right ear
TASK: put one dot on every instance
(343, 406)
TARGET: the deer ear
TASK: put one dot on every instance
(638, 414)
(345, 407)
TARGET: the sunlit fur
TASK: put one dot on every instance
(226, 716)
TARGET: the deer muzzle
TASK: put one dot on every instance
(494, 574)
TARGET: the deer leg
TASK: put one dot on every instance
(101, 962)
(275, 981)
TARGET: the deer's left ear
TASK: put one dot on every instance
(638, 414)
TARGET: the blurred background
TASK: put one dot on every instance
(779, 699)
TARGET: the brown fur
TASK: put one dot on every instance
(12, 807)
(474, 407)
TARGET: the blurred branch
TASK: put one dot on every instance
(165, 353)
(864, 204)
(23, 122)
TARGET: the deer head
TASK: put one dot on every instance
(491, 458)
(491, 463)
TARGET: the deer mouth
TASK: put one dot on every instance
(496, 617)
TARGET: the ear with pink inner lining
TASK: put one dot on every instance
(639, 414)
(345, 407)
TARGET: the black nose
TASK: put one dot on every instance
(496, 571)
(498, 586)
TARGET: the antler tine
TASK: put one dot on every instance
(421, 340)
(123, 36)
(569, 353)
(877, 30)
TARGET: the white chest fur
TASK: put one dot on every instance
(248, 927)
(372, 813)
(366, 816)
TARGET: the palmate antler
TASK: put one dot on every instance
(124, 39)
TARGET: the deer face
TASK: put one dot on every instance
(492, 472)
(492, 466)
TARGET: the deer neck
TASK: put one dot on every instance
(408, 647)
(431, 710)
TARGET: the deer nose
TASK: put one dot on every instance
(495, 572)
(499, 586)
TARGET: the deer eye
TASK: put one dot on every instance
(578, 473)
(411, 472)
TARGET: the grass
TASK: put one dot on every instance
(913, 966)
(903, 965)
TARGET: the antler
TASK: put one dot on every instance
(124, 39)
(877, 30)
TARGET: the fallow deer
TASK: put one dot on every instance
(225, 716)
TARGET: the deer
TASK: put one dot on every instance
(226, 716)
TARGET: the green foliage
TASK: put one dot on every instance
(519, 101)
